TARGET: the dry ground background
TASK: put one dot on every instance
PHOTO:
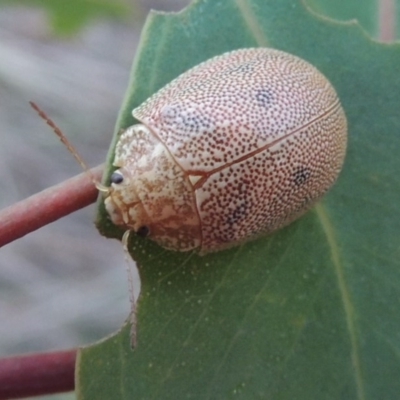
(63, 285)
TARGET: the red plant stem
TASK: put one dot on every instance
(387, 20)
(37, 374)
(47, 206)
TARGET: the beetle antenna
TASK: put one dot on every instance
(69, 146)
(133, 315)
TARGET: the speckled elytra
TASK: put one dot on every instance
(238, 146)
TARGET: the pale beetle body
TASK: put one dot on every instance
(236, 147)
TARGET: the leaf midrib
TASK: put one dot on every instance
(345, 297)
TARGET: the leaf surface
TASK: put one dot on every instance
(365, 11)
(310, 312)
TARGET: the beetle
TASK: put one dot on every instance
(236, 147)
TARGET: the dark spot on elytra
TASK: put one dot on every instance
(264, 97)
(241, 69)
(238, 214)
(301, 175)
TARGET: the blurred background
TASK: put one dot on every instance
(63, 285)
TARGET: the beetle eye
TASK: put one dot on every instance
(143, 231)
(116, 177)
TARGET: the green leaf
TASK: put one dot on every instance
(67, 17)
(310, 312)
(365, 11)
(373, 15)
